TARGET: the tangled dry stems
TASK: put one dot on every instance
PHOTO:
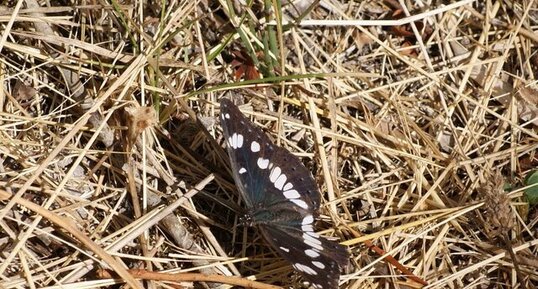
(413, 120)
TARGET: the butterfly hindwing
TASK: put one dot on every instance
(318, 259)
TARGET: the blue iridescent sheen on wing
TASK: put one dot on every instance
(257, 161)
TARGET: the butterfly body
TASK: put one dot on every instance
(282, 199)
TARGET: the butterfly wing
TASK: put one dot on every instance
(258, 166)
(282, 198)
(318, 259)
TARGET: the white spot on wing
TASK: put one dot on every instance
(310, 238)
(263, 163)
(318, 264)
(308, 220)
(234, 140)
(284, 249)
(279, 183)
(291, 194)
(312, 242)
(288, 187)
(311, 253)
(274, 174)
(242, 170)
(239, 141)
(255, 147)
(307, 228)
(300, 203)
(227, 116)
(305, 269)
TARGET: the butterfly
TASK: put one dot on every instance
(282, 199)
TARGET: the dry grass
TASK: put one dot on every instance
(412, 126)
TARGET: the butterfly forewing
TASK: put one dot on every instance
(266, 174)
(282, 198)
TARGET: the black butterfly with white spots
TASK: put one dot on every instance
(282, 199)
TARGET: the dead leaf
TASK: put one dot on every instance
(244, 66)
(407, 49)
(528, 163)
(406, 31)
(138, 119)
(527, 106)
(446, 141)
(361, 39)
(23, 93)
